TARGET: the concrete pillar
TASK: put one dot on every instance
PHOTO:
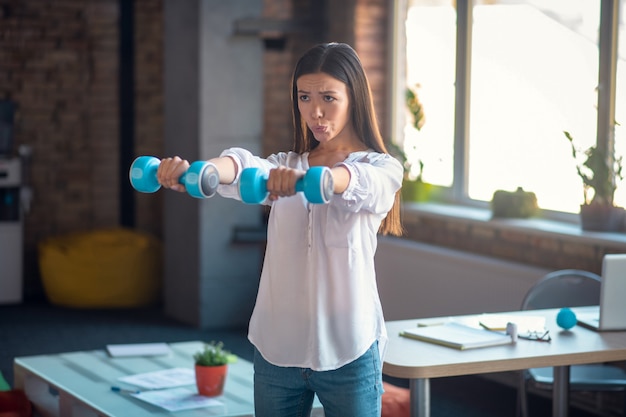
(213, 100)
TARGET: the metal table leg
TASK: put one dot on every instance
(560, 391)
(420, 397)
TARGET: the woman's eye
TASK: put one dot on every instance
(304, 97)
(329, 98)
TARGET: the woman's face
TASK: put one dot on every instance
(324, 105)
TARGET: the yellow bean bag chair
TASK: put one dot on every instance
(101, 269)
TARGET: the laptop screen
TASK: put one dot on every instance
(613, 293)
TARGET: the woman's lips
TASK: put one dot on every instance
(319, 129)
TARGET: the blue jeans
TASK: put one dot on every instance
(353, 390)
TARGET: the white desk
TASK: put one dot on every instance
(79, 384)
(420, 361)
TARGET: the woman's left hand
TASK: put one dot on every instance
(282, 182)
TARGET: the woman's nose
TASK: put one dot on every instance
(317, 112)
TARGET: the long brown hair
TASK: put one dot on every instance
(340, 61)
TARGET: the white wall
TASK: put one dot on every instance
(417, 280)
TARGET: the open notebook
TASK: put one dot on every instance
(611, 313)
(458, 336)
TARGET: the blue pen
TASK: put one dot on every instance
(125, 391)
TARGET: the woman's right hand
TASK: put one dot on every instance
(169, 172)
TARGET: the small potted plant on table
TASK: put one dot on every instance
(211, 367)
(599, 172)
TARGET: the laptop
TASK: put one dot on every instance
(611, 313)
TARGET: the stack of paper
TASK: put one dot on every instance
(169, 389)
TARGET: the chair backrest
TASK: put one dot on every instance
(564, 288)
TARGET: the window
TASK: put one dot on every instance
(531, 73)
(430, 57)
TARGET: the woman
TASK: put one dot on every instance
(317, 326)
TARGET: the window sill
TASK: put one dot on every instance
(532, 226)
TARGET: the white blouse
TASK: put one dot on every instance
(318, 305)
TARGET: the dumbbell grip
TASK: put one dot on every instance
(182, 179)
(299, 184)
(317, 185)
(151, 172)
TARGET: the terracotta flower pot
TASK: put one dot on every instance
(210, 379)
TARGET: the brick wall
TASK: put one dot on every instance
(59, 63)
(149, 125)
(277, 64)
(519, 244)
(371, 37)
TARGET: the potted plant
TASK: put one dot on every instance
(600, 172)
(413, 186)
(211, 366)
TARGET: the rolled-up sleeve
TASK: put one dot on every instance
(243, 159)
(374, 180)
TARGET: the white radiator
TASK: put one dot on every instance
(417, 280)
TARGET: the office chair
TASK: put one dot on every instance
(568, 288)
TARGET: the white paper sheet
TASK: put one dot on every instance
(138, 349)
(167, 378)
(176, 399)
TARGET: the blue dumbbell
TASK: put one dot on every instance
(317, 185)
(200, 180)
